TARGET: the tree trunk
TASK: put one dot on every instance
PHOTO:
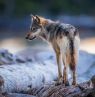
(82, 90)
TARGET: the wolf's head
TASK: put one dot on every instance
(36, 27)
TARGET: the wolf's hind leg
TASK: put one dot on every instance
(74, 78)
(73, 68)
(65, 76)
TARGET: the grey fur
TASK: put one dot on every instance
(64, 39)
(60, 29)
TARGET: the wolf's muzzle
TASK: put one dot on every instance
(26, 37)
(30, 38)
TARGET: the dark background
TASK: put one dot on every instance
(15, 20)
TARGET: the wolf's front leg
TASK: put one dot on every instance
(74, 78)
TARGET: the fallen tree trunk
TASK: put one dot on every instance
(19, 73)
(19, 77)
(30, 77)
(86, 89)
(16, 95)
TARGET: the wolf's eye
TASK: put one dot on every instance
(33, 28)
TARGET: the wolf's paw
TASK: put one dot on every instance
(74, 84)
(66, 83)
(59, 81)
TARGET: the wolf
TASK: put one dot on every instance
(65, 40)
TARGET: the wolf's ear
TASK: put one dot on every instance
(32, 17)
(37, 19)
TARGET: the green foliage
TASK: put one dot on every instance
(53, 7)
(2, 6)
(73, 6)
(26, 7)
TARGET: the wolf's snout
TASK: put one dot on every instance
(27, 36)
(30, 37)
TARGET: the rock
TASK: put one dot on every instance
(6, 57)
(29, 59)
(20, 59)
(9, 58)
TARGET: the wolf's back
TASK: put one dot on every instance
(69, 30)
(70, 43)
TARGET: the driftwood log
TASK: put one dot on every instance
(22, 77)
(86, 89)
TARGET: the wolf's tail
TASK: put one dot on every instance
(72, 45)
(72, 61)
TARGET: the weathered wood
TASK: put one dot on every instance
(85, 89)
(16, 95)
(1, 84)
(24, 77)
(20, 73)
(93, 81)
